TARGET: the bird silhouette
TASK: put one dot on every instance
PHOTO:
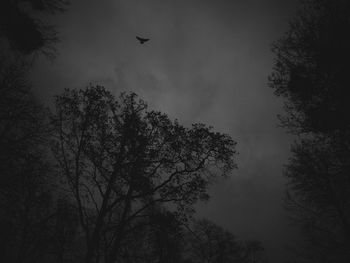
(142, 40)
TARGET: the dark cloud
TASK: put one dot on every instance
(207, 61)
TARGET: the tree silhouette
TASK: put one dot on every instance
(165, 234)
(311, 73)
(157, 238)
(212, 244)
(120, 160)
(209, 243)
(311, 68)
(23, 29)
(319, 196)
(254, 252)
(166, 239)
(25, 195)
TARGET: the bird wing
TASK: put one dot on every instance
(142, 39)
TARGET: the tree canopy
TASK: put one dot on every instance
(311, 73)
(311, 68)
(120, 160)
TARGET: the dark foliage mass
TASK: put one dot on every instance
(312, 74)
(24, 31)
(121, 162)
(207, 242)
(311, 68)
(25, 199)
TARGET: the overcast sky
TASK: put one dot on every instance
(207, 61)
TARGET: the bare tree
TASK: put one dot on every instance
(120, 160)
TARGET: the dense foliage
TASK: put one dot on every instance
(312, 74)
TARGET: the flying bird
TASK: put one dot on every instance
(142, 40)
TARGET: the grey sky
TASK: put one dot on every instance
(207, 61)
